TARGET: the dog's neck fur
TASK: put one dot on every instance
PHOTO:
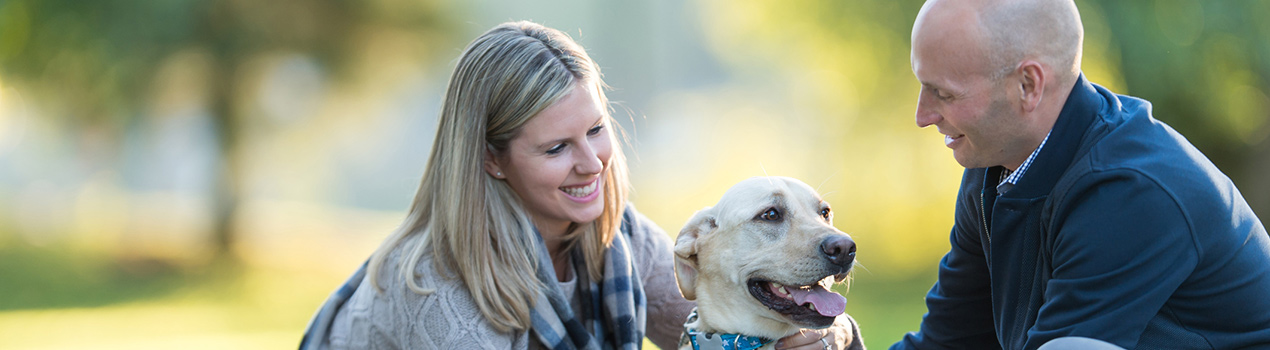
(701, 337)
(726, 314)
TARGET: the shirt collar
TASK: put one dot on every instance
(1013, 176)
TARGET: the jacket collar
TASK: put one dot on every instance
(1083, 105)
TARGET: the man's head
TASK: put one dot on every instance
(994, 74)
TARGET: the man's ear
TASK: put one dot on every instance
(1032, 80)
(491, 165)
(700, 225)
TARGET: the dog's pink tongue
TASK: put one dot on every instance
(827, 303)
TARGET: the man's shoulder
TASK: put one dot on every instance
(1125, 139)
(1142, 145)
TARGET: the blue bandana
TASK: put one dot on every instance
(712, 341)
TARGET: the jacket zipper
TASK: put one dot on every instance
(983, 216)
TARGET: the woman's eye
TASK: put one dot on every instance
(771, 214)
(556, 149)
(595, 131)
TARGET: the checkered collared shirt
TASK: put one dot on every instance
(1009, 178)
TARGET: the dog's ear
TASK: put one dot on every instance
(701, 223)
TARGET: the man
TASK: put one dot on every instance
(1080, 217)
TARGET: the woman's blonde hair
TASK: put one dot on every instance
(475, 224)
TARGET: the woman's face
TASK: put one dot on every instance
(556, 161)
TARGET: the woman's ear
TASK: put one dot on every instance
(492, 166)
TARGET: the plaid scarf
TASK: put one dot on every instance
(613, 311)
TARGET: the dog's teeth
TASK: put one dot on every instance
(811, 306)
(784, 291)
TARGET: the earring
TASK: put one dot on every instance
(499, 174)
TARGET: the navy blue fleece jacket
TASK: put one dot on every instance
(1120, 230)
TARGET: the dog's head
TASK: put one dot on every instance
(761, 261)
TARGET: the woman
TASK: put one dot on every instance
(520, 235)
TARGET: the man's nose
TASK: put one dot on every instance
(925, 115)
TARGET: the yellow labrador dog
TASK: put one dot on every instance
(760, 265)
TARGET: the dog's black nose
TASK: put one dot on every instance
(840, 250)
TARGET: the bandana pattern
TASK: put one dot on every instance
(712, 341)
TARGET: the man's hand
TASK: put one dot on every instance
(843, 334)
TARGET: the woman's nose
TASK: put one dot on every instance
(588, 161)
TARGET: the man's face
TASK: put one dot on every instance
(974, 112)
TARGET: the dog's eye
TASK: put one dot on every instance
(824, 213)
(771, 214)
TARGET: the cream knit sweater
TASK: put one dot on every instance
(398, 318)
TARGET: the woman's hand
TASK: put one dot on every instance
(843, 334)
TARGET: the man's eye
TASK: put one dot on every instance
(939, 94)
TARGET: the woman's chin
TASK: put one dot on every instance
(589, 214)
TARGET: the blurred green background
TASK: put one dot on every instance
(201, 174)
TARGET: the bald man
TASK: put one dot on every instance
(1080, 217)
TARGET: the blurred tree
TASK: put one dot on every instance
(845, 63)
(1205, 66)
(90, 63)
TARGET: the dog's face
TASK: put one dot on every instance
(761, 261)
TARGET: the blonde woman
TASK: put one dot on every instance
(520, 236)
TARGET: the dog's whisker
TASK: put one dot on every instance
(822, 183)
(859, 265)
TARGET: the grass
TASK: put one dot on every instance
(41, 278)
(52, 300)
(887, 308)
